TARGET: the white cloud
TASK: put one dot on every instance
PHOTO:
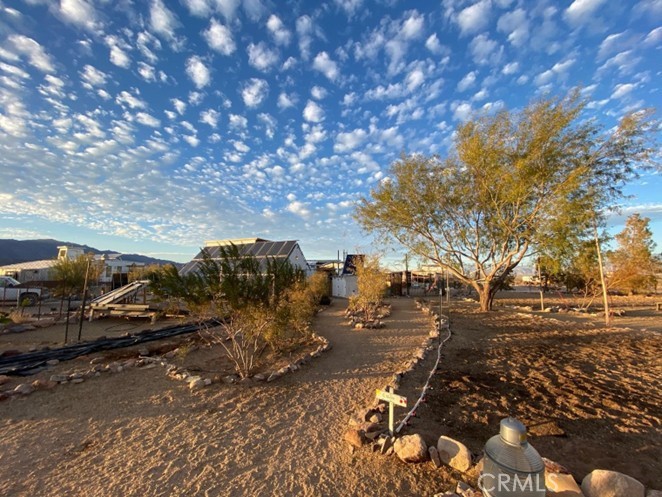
(324, 64)
(511, 68)
(305, 30)
(261, 57)
(654, 37)
(475, 17)
(219, 38)
(433, 45)
(146, 71)
(299, 208)
(285, 100)
(117, 54)
(180, 106)
(349, 141)
(33, 51)
(147, 120)
(198, 72)
(581, 11)
(280, 34)
(210, 117)
(13, 70)
(413, 26)
(131, 101)
(467, 81)
(485, 51)
(415, 79)
(289, 63)
(558, 69)
(79, 12)
(461, 110)
(349, 6)
(191, 140)
(610, 45)
(313, 112)
(162, 20)
(622, 90)
(254, 92)
(93, 76)
(318, 92)
(238, 122)
(516, 25)
(200, 8)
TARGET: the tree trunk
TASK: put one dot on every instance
(486, 296)
(603, 283)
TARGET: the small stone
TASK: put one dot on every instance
(4, 379)
(375, 418)
(207, 381)
(229, 379)
(151, 365)
(653, 493)
(358, 326)
(561, 485)
(191, 379)
(75, 376)
(434, 457)
(260, 377)
(96, 360)
(284, 370)
(143, 351)
(53, 362)
(129, 363)
(454, 453)
(23, 389)
(273, 376)
(355, 437)
(77, 380)
(411, 448)
(170, 354)
(464, 490)
(603, 483)
(197, 384)
(59, 378)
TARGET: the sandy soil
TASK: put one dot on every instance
(138, 433)
(590, 396)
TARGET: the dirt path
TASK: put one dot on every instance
(138, 433)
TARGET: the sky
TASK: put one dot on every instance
(150, 126)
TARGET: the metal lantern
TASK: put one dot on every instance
(512, 467)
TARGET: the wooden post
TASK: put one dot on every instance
(605, 299)
(82, 306)
(66, 326)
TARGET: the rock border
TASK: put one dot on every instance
(146, 361)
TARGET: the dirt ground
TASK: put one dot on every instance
(138, 433)
(589, 395)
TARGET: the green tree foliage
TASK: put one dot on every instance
(634, 263)
(515, 183)
(260, 303)
(70, 274)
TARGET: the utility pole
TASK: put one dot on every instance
(82, 306)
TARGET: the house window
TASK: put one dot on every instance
(109, 271)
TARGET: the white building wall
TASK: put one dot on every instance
(344, 286)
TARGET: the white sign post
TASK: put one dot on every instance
(392, 399)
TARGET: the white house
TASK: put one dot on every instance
(259, 248)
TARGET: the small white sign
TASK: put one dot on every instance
(391, 397)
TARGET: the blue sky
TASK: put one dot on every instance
(151, 126)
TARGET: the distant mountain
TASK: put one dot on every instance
(15, 251)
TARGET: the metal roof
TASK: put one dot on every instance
(30, 265)
(258, 248)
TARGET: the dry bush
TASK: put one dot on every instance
(372, 285)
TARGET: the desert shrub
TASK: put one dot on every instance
(372, 285)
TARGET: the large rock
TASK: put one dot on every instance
(434, 457)
(4, 379)
(603, 483)
(454, 453)
(561, 485)
(411, 448)
(653, 493)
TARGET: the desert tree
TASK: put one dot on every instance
(633, 262)
(69, 275)
(513, 185)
